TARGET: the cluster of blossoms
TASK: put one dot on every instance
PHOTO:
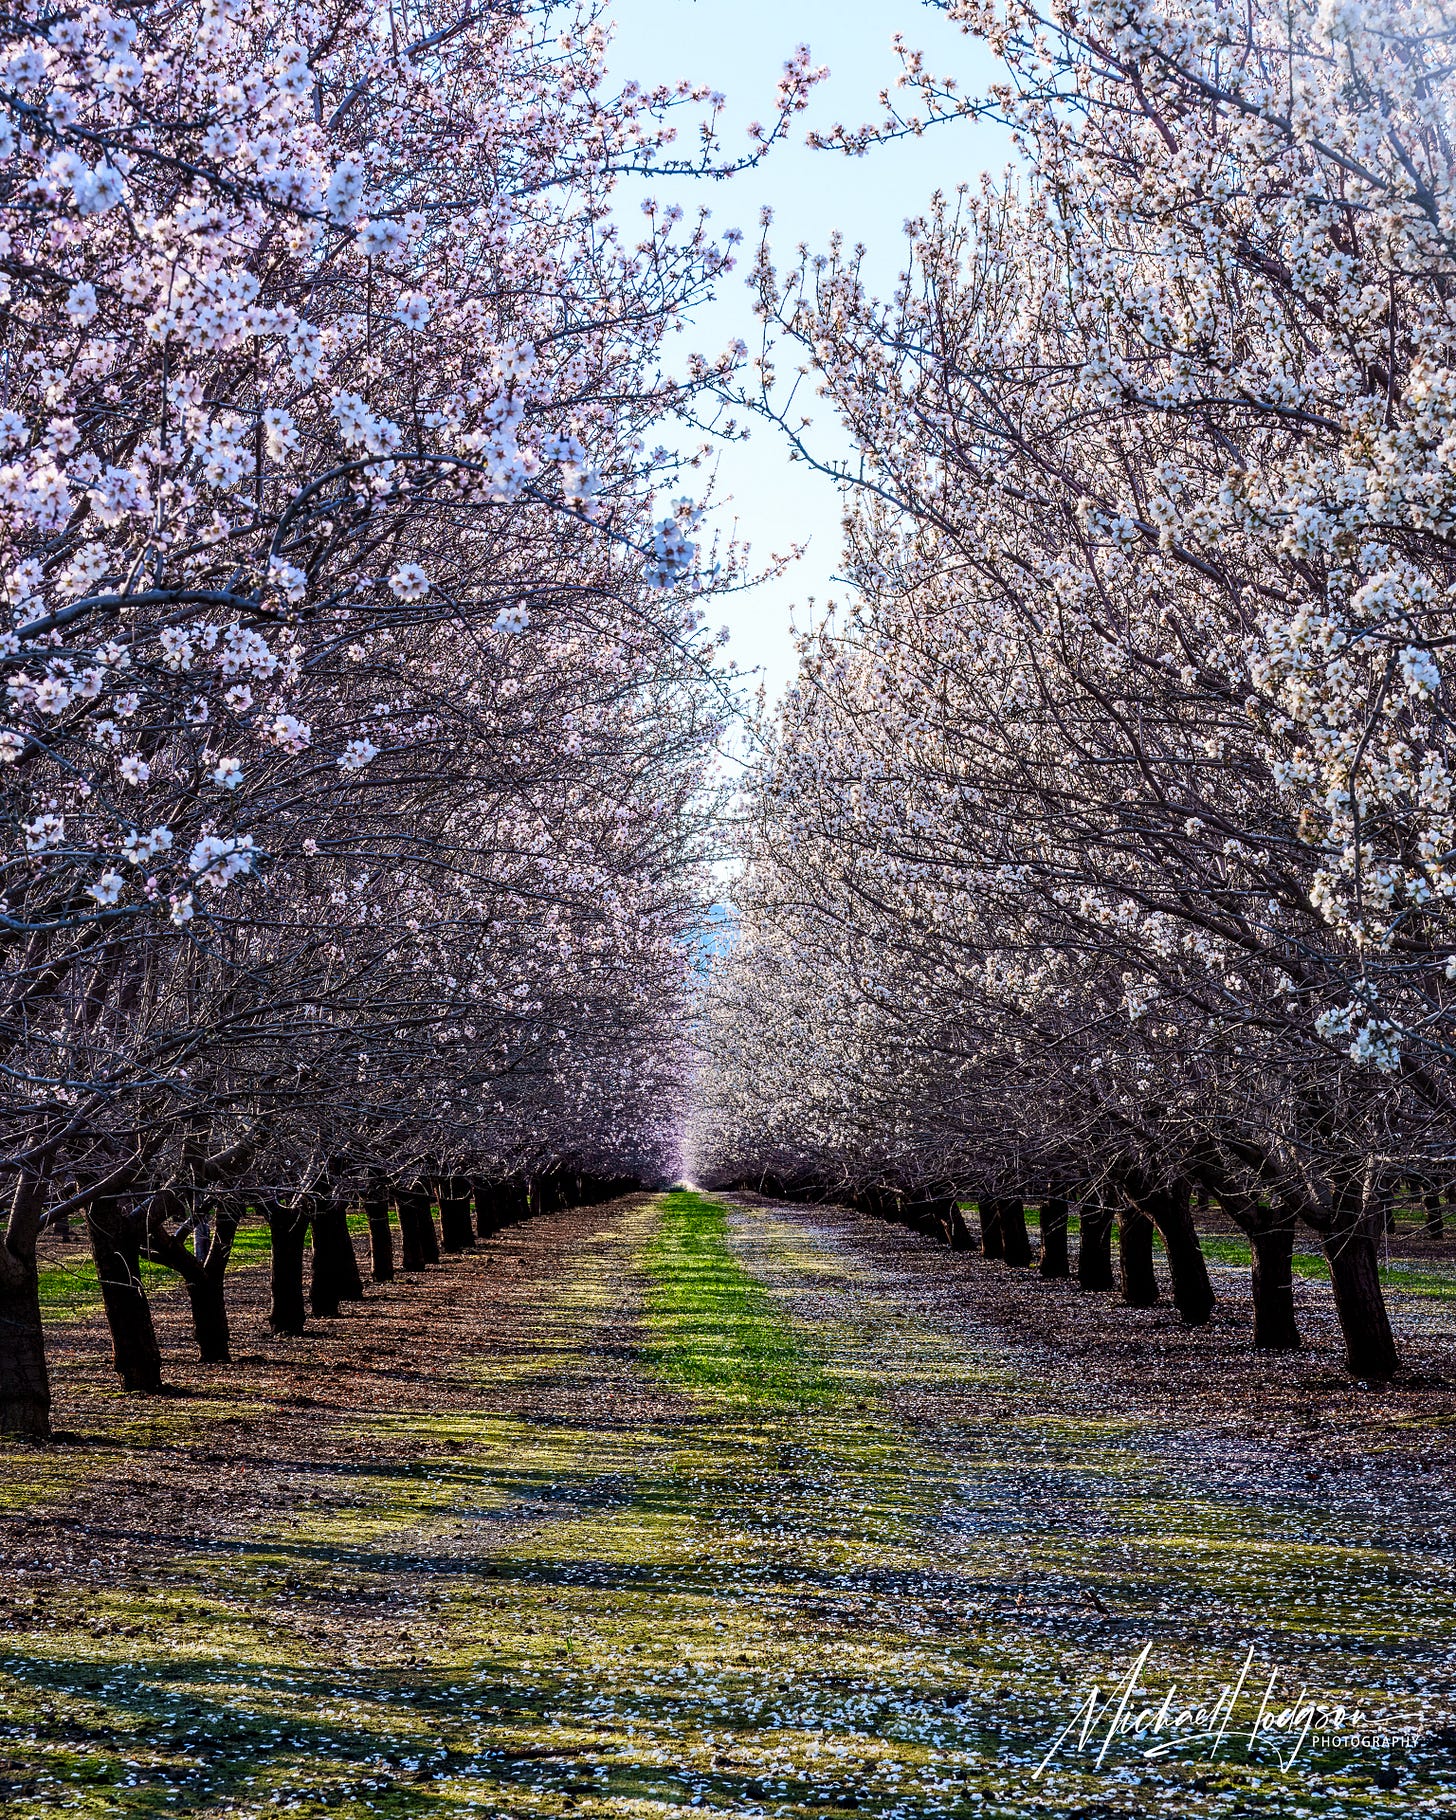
(354, 730)
(1110, 840)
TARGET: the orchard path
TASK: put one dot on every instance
(679, 1507)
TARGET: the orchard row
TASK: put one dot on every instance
(1105, 847)
(360, 707)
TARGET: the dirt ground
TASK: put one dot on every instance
(1285, 1420)
(622, 1516)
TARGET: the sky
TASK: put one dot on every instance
(739, 48)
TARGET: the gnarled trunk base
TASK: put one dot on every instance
(335, 1276)
(457, 1231)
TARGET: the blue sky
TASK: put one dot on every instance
(739, 47)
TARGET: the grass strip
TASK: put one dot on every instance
(714, 1330)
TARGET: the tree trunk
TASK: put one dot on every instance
(928, 1218)
(1169, 1211)
(1016, 1244)
(323, 1276)
(465, 1200)
(1094, 1246)
(1135, 1257)
(381, 1236)
(993, 1238)
(413, 1214)
(210, 1320)
(429, 1237)
(116, 1238)
(288, 1228)
(1054, 1238)
(1435, 1224)
(1272, 1281)
(487, 1206)
(25, 1390)
(335, 1268)
(209, 1304)
(961, 1238)
(351, 1284)
(449, 1220)
(1360, 1302)
(456, 1230)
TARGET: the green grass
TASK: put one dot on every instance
(1419, 1279)
(69, 1287)
(713, 1329)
